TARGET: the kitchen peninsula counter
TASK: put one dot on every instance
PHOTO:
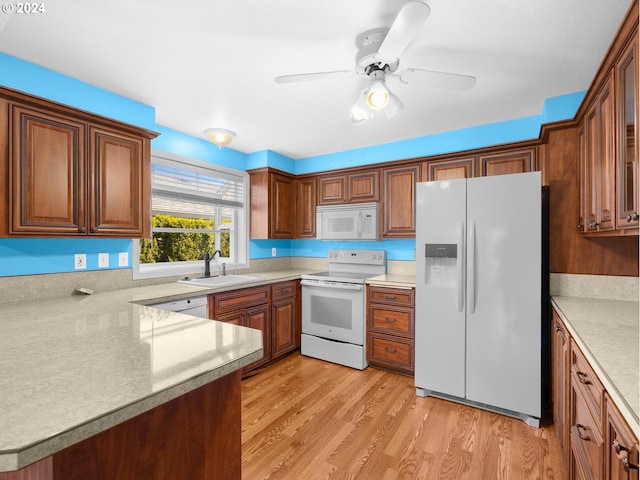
(607, 333)
(74, 367)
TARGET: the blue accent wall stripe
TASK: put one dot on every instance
(35, 256)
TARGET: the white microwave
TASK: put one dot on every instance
(347, 222)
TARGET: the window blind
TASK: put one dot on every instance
(192, 189)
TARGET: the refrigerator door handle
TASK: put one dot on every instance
(471, 280)
(460, 267)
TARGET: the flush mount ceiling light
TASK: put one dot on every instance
(220, 136)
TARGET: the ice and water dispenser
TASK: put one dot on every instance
(441, 262)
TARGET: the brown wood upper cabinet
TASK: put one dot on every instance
(627, 108)
(399, 200)
(608, 147)
(71, 174)
(306, 207)
(357, 187)
(449, 169)
(273, 203)
(502, 163)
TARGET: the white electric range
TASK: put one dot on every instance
(333, 307)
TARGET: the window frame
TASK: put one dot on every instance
(238, 247)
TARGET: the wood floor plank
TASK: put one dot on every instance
(303, 418)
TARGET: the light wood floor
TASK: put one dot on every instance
(307, 419)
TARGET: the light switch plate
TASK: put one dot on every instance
(103, 260)
(123, 259)
(80, 261)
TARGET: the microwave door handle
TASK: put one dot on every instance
(359, 224)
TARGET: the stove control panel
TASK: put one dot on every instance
(359, 257)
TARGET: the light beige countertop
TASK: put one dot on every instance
(75, 366)
(607, 333)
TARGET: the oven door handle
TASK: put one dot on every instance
(335, 285)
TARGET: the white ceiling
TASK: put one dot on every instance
(212, 63)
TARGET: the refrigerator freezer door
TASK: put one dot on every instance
(440, 316)
(503, 364)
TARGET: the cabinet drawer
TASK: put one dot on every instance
(246, 297)
(392, 296)
(395, 320)
(586, 435)
(391, 352)
(283, 290)
(587, 382)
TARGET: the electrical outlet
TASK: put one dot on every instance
(273, 252)
(123, 259)
(103, 260)
(80, 261)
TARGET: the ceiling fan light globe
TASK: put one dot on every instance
(378, 96)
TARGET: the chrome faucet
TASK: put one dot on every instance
(207, 260)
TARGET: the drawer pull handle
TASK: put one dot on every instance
(623, 455)
(390, 349)
(583, 436)
(389, 297)
(389, 319)
(582, 378)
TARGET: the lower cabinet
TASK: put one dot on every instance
(621, 452)
(390, 328)
(273, 309)
(285, 318)
(596, 441)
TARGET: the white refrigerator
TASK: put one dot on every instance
(478, 332)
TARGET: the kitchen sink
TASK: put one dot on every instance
(218, 281)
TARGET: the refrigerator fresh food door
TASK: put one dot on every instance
(503, 292)
(440, 316)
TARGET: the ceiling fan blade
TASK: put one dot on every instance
(429, 78)
(312, 77)
(408, 22)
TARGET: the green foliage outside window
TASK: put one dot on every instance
(179, 246)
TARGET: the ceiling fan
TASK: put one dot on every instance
(378, 58)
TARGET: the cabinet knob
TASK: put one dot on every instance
(94, 229)
(623, 455)
(82, 230)
(582, 378)
(581, 428)
(632, 217)
(593, 224)
(580, 226)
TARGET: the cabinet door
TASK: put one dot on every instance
(621, 446)
(583, 179)
(518, 161)
(258, 318)
(627, 108)
(47, 174)
(363, 187)
(399, 201)
(332, 190)
(451, 169)
(282, 206)
(599, 161)
(306, 208)
(560, 381)
(284, 326)
(119, 186)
